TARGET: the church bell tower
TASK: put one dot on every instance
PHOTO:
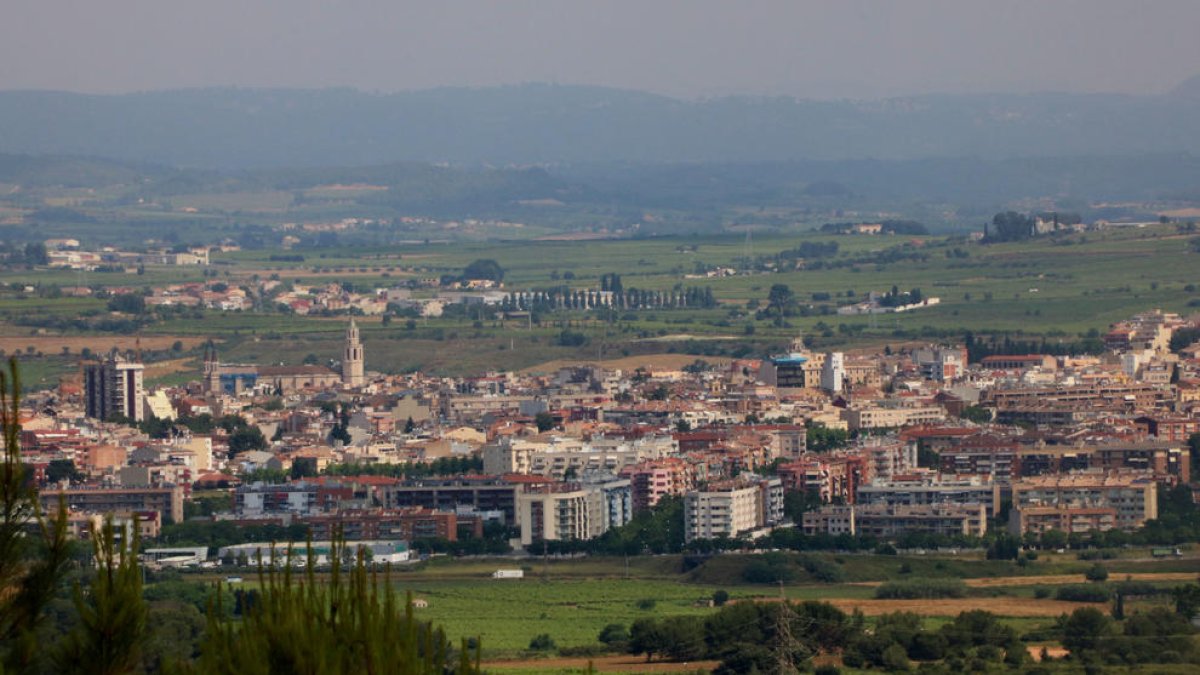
(352, 358)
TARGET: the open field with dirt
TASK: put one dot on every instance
(50, 344)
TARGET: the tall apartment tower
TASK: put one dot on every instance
(833, 373)
(114, 387)
(352, 358)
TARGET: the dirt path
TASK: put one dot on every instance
(622, 663)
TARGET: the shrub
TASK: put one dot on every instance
(614, 634)
(1138, 588)
(1083, 593)
(895, 658)
(1041, 592)
(542, 643)
(920, 588)
(1096, 573)
(646, 604)
(822, 570)
(768, 571)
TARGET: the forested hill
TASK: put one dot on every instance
(242, 128)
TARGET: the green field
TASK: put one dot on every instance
(1051, 288)
(572, 600)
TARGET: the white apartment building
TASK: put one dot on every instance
(573, 511)
(563, 456)
(732, 508)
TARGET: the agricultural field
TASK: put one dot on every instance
(1054, 289)
(572, 600)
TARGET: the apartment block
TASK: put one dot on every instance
(563, 511)
(891, 520)
(732, 508)
(1132, 496)
(929, 490)
(166, 500)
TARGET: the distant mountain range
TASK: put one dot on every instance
(549, 124)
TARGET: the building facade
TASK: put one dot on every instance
(114, 387)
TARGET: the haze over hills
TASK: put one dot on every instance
(245, 128)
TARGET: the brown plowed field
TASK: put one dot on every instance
(99, 344)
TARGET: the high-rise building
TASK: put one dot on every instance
(114, 387)
(352, 358)
(833, 372)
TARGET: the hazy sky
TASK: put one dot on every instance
(854, 48)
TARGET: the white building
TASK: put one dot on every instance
(268, 553)
(732, 508)
(833, 372)
(573, 510)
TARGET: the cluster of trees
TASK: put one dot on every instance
(774, 567)
(127, 303)
(897, 298)
(975, 641)
(770, 637)
(483, 269)
(495, 541)
(1156, 635)
(85, 322)
(243, 436)
(820, 438)
(809, 250)
(340, 432)
(1009, 226)
(746, 636)
(922, 588)
(889, 227)
(32, 253)
(1005, 345)
(443, 466)
(1184, 337)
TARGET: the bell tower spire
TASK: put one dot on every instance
(352, 358)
